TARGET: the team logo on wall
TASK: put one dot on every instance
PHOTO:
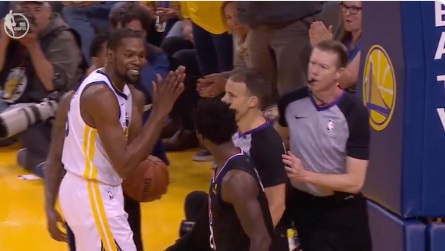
(379, 87)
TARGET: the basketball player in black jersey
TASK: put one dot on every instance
(238, 212)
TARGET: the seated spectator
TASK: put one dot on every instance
(213, 85)
(98, 50)
(179, 133)
(213, 45)
(28, 67)
(86, 17)
(350, 36)
(213, 48)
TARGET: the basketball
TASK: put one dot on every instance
(148, 182)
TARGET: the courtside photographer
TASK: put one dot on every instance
(40, 59)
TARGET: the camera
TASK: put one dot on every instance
(19, 120)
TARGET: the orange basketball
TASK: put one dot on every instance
(148, 182)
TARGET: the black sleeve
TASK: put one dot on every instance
(266, 153)
(286, 99)
(358, 142)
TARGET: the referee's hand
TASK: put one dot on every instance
(294, 167)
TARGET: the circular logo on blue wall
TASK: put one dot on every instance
(379, 87)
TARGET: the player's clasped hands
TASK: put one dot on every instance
(166, 91)
(294, 167)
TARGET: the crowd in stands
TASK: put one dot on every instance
(210, 38)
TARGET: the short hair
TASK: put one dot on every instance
(336, 47)
(215, 121)
(256, 84)
(116, 37)
(129, 12)
(97, 44)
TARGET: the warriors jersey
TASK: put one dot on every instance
(83, 151)
(226, 232)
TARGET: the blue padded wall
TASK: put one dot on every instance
(400, 88)
(391, 233)
(385, 98)
(435, 237)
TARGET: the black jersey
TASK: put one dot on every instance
(226, 232)
(266, 148)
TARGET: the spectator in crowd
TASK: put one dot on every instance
(279, 40)
(212, 42)
(86, 18)
(98, 49)
(211, 85)
(214, 84)
(29, 67)
(179, 133)
(213, 45)
(350, 35)
(166, 14)
(4, 8)
(330, 15)
(328, 158)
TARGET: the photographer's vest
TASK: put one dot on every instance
(15, 78)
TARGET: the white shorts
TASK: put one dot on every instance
(95, 213)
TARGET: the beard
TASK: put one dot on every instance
(129, 80)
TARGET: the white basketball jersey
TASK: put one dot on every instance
(83, 152)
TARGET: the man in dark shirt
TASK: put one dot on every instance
(247, 93)
(238, 213)
(329, 152)
(29, 67)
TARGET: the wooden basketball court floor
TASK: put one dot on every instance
(22, 215)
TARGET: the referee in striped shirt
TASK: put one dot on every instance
(329, 137)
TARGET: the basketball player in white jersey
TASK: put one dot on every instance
(102, 145)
